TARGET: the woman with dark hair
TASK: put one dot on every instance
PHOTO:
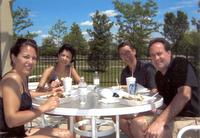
(15, 99)
(63, 68)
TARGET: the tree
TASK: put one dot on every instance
(58, 31)
(196, 50)
(192, 48)
(21, 22)
(76, 39)
(30, 35)
(48, 47)
(101, 39)
(174, 29)
(136, 23)
(196, 22)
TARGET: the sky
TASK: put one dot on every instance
(45, 13)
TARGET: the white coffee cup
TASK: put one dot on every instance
(131, 85)
(67, 82)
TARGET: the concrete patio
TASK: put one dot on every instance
(58, 121)
(62, 123)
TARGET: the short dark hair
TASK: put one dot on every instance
(68, 47)
(125, 43)
(16, 48)
(166, 44)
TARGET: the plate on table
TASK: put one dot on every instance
(137, 99)
(112, 92)
(111, 95)
(107, 96)
(63, 97)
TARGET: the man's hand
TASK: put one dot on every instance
(155, 130)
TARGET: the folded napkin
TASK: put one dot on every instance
(109, 100)
(106, 93)
(141, 89)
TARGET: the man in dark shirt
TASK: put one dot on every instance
(143, 72)
(178, 84)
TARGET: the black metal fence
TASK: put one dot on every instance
(107, 77)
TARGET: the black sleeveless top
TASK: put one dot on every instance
(19, 131)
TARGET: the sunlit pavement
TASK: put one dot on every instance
(62, 123)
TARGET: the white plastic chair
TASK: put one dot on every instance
(187, 128)
(35, 76)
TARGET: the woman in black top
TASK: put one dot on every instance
(15, 99)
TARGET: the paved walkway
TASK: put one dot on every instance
(61, 122)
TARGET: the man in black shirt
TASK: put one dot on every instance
(178, 84)
(143, 72)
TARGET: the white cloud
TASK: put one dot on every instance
(176, 7)
(44, 35)
(37, 32)
(86, 35)
(86, 23)
(40, 34)
(109, 13)
(188, 3)
(116, 26)
(33, 14)
(183, 4)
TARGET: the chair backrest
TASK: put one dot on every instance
(34, 76)
(3, 134)
(32, 85)
(187, 128)
(33, 81)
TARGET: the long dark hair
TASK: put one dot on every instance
(69, 48)
(15, 49)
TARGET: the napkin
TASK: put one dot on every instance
(109, 100)
(141, 89)
(106, 93)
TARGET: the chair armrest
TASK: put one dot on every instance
(186, 128)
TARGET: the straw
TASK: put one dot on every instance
(117, 83)
(155, 95)
(70, 72)
(132, 72)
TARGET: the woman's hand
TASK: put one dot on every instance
(57, 89)
(55, 83)
(50, 104)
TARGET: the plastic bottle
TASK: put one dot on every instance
(82, 90)
(96, 79)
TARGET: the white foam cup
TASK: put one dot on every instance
(67, 82)
(131, 85)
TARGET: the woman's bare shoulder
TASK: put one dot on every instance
(11, 76)
(11, 80)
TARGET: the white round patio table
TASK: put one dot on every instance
(94, 108)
